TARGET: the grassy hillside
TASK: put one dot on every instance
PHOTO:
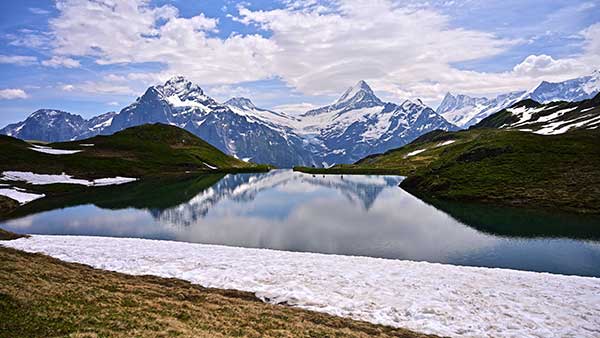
(139, 151)
(44, 297)
(494, 166)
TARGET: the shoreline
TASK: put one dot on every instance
(424, 297)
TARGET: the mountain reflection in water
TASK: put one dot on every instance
(349, 215)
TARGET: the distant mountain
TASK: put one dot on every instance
(355, 125)
(547, 119)
(465, 111)
(578, 89)
(237, 128)
(47, 125)
(359, 123)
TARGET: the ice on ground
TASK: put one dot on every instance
(431, 298)
(210, 166)
(413, 153)
(42, 179)
(48, 150)
(19, 195)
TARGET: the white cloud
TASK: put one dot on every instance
(99, 87)
(38, 11)
(20, 60)
(61, 61)
(11, 94)
(113, 103)
(131, 31)
(68, 88)
(316, 47)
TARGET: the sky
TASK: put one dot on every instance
(93, 56)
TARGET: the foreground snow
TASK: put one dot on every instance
(41, 179)
(431, 298)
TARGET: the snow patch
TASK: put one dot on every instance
(413, 153)
(42, 179)
(430, 298)
(48, 150)
(445, 143)
(210, 166)
(19, 195)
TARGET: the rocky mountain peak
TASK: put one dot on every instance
(180, 86)
(359, 92)
(240, 102)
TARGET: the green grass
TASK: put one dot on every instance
(494, 166)
(147, 150)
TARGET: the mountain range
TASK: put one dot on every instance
(465, 111)
(356, 125)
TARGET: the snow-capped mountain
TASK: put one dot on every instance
(359, 124)
(465, 111)
(354, 126)
(47, 125)
(547, 119)
(578, 89)
(242, 130)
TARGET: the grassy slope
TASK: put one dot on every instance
(134, 152)
(500, 167)
(44, 297)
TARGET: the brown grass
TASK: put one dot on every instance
(44, 297)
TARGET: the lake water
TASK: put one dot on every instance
(348, 215)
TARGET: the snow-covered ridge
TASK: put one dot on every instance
(431, 298)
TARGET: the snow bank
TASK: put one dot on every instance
(210, 166)
(413, 153)
(41, 179)
(431, 298)
(48, 150)
(19, 195)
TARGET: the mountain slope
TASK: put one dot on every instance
(578, 89)
(497, 166)
(359, 124)
(47, 125)
(465, 111)
(138, 151)
(233, 130)
(547, 119)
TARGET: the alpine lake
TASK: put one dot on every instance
(332, 214)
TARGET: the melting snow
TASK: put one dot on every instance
(41, 179)
(48, 150)
(430, 298)
(210, 166)
(19, 195)
(413, 153)
(445, 143)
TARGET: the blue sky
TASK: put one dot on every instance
(90, 57)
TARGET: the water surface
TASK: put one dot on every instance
(349, 215)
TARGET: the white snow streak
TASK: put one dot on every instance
(48, 150)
